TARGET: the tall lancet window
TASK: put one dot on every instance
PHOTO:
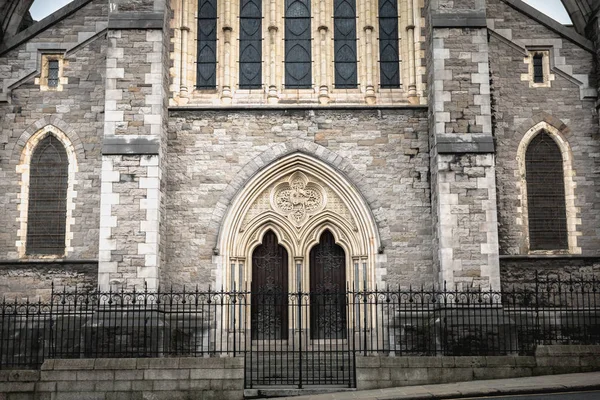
(344, 36)
(206, 72)
(389, 61)
(546, 195)
(47, 207)
(297, 44)
(250, 44)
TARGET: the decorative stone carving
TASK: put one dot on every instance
(298, 198)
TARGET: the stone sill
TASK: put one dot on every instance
(47, 261)
(236, 107)
(547, 256)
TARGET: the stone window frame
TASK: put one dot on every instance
(23, 168)
(273, 88)
(546, 65)
(45, 69)
(568, 173)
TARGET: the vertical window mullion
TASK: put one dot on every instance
(250, 44)
(298, 59)
(206, 71)
(344, 22)
(389, 61)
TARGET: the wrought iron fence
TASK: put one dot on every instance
(291, 337)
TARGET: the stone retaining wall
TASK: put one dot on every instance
(128, 379)
(381, 372)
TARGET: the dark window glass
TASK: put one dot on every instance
(538, 68)
(344, 15)
(206, 73)
(389, 62)
(546, 195)
(250, 44)
(297, 44)
(47, 212)
(53, 73)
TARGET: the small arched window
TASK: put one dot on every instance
(47, 206)
(546, 194)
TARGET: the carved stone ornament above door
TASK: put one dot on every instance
(298, 198)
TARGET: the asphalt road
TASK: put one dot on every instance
(592, 395)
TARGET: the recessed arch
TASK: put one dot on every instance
(569, 186)
(254, 210)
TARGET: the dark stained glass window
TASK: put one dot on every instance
(297, 44)
(47, 212)
(250, 44)
(538, 68)
(546, 195)
(344, 15)
(206, 72)
(53, 73)
(389, 62)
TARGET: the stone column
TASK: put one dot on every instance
(462, 150)
(369, 56)
(273, 96)
(322, 54)
(131, 204)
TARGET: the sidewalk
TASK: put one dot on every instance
(536, 384)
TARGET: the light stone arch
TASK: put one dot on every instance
(23, 168)
(568, 173)
(254, 211)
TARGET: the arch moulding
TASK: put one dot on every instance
(557, 134)
(298, 197)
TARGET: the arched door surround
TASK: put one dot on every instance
(298, 198)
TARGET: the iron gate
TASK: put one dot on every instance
(318, 348)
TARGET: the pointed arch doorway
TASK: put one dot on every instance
(299, 234)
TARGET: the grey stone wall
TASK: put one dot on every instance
(77, 110)
(116, 379)
(35, 279)
(518, 107)
(516, 271)
(387, 149)
(381, 372)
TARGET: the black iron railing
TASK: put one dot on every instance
(299, 338)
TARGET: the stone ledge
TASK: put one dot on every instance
(449, 145)
(459, 20)
(125, 145)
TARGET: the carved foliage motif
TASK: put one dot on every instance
(298, 198)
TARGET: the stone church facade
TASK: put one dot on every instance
(161, 142)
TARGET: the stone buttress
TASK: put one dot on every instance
(462, 148)
(134, 144)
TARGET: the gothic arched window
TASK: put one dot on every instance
(344, 36)
(47, 206)
(297, 44)
(546, 194)
(389, 60)
(206, 72)
(250, 44)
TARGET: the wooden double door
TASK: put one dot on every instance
(323, 308)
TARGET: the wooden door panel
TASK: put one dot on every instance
(269, 311)
(327, 289)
